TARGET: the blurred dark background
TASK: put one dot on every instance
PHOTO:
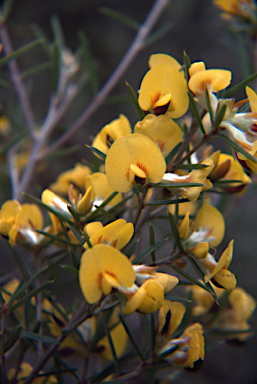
(194, 26)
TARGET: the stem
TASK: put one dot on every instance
(2, 357)
(136, 47)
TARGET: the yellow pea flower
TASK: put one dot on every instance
(75, 176)
(170, 316)
(118, 233)
(133, 157)
(8, 214)
(241, 8)
(148, 298)
(163, 58)
(218, 272)
(196, 344)
(212, 219)
(144, 272)
(116, 129)
(213, 79)
(101, 190)
(242, 306)
(162, 130)
(164, 89)
(103, 268)
(204, 300)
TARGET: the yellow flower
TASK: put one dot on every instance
(21, 220)
(210, 218)
(196, 176)
(164, 89)
(103, 268)
(242, 8)
(204, 300)
(143, 273)
(148, 298)
(218, 272)
(213, 79)
(163, 58)
(170, 316)
(110, 132)
(162, 130)
(117, 234)
(133, 158)
(101, 190)
(235, 318)
(196, 344)
(75, 176)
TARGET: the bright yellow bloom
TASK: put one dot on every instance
(170, 316)
(133, 158)
(21, 220)
(75, 176)
(235, 318)
(196, 176)
(148, 298)
(24, 371)
(103, 268)
(164, 89)
(162, 130)
(196, 344)
(210, 218)
(213, 79)
(218, 272)
(143, 273)
(117, 234)
(101, 190)
(163, 58)
(116, 129)
(196, 67)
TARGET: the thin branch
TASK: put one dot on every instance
(136, 46)
(17, 78)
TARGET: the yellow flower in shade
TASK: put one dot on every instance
(101, 190)
(164, 90)
(24, 371)
(170, 316)
(242, 8)
(198, 176)
(242, 306)
(229, 168)
(162, 130)
(103, 268)
(5, 126)
(204, 300)
(147, 299)
(21, 220)
(59, 204)
(144, 272)
(134, 158)
(163, 58)
(196, 344)
(117, 234)
(210, 218)
(248, 164)
(116, 129)
(218, 272)
(213, 79)
(75, 176)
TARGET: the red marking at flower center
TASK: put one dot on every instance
(111, 274)
(254, 128)
(143, 167)
(155, 97)
(99, 279)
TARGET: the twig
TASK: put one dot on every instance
(136, 46)
(17, 78)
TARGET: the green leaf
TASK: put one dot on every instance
(191, 166)
(90, 67)
(12, 337)
(168, 352)
(172, 153)
(112, 348)
(175, 231)
(36, 69)
(58, 32)
(97, 152)
(132, 340)
(152, 241)
(121, 17)
(237, 147)
(219, 117)
(168, 202)
(240, 85)
(38, 336)
(20, 264)
(58, 239)
(208, 102)
(195, 112)
(187, 64)
(177, 185)
(133, 95)
(29, 295)
(19, 52)
(56, 63)
(73, 271)
(148, 251)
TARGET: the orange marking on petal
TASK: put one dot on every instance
(127, 173)
(155, 97)
(143, 167)
(111, 274)
(99, 279)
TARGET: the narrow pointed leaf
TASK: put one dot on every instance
(156, 36)
(38, 336)
(148, 251)
(175, 231)
(240, 85)
(12, 337)
(208, 102)
(238, 148)
(89, 61)
(121, 17)
(172, 153)
(19, 52)
(97, 152)
(195, 112)
(177, 185)
(219, 117)
(152, 241)
(168, 202)
(134, 98)
(58, 238)
(132, 340)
